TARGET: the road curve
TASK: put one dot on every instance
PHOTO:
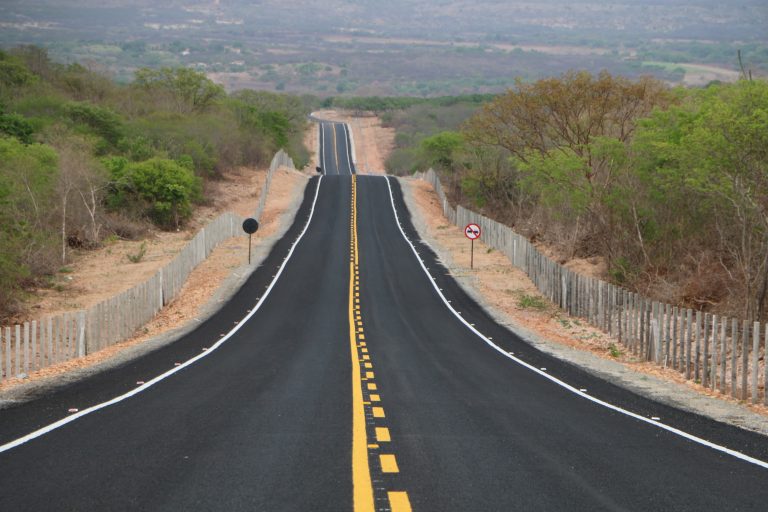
(338, 378)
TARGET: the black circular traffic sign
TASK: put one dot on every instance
(250, 226)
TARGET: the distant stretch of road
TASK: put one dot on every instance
(351, 372)
(335, 149)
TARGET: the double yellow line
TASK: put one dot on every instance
(361, 363)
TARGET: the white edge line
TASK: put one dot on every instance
(350, 147)
(69, 419)
(322, 147)
(559, 382)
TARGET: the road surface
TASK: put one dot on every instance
(352, 373)
(336, 149)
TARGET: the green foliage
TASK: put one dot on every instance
(418, 119)
(531, 302)
(557, 179)
(27, 180)
(190, 90)
(163, 189)
(99, 120)
(15, 125)
(442, 149)
(139, 255)
(157, 139)
(13, 73)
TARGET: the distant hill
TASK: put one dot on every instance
(400, 47)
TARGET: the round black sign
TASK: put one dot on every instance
(250, 226)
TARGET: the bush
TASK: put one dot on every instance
(101, 121)
(16, 126)
(160, 188)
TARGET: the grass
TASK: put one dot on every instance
(135, 258)
(531, 302)
(614, 350)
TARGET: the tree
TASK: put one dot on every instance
(560, 133)
(442, 149)
(726, 152)
(189, 90)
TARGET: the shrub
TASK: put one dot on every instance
(160, 188)
(101, 121)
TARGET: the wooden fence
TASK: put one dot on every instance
(41, 343)
(723, 354)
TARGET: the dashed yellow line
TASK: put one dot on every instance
(382, 435)
(361, 473)
(388, 463)
(398, 501)
(362, 447)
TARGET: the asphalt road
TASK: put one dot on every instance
(354, 384)
(336, 149)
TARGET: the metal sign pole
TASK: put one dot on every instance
(250, 226)
(472, 253)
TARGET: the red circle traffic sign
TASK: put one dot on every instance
(472, 231)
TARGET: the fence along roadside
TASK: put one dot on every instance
(723, 354)
(40, 343)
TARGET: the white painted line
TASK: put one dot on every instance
(322, 147)
(69, 419)
(349, 146)
(563, 384)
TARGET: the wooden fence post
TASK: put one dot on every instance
(744, 359)
(723, 353)
(755, 359)
(734, 349)
(713, 370)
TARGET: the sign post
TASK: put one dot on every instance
(472, 231)
(250, 226)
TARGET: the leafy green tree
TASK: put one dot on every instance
(189, 90)
(442, 150)
(726, 152)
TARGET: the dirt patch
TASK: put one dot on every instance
(373, 142)
(509, 293)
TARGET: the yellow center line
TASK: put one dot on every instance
(362, 479)
(336, 154)
(388, 463)
(382, 435)
(398, 501)
(361, 474)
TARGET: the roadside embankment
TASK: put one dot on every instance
(512, 298)
(138, 318)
